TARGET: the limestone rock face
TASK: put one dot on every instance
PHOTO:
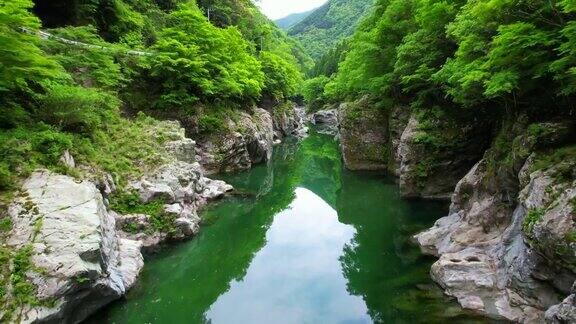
(495, 264)
(363, 136)
(84, 263)
(432, 170)
(184, 189)
(564, 312)
(397, 122)
(290, 122)
(178, 144)
(249, 141)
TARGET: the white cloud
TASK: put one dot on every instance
(276, 9)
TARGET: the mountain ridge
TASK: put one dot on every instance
(292, 19)
(329, 24)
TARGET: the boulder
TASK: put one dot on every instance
(79, 261)
(289, 122)
(184, 189)
(565, 312)
(495, 264)
(432, 159)
(249, 141)
(326, 121)
(363, 136)
(67, 160)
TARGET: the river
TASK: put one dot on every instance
(310, 242)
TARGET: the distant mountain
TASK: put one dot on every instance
(290, 20)
(327, 25)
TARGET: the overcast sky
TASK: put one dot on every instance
(276, 9)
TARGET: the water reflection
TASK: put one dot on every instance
(297, 271)
(313, 244)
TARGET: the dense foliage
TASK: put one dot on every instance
(108, 59)
(473, 53)
(323, 28)
(57, 96)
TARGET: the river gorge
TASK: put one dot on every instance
(306, 242)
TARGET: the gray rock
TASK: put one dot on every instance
(564, 312)
(67, 159)
(249, 141)
(174, 182)
(363, 136)
(183, 149)
(84, 263)
(185, 190)
(326, 121)
(485, 261)
(290, 123)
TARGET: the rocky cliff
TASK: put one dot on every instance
(507, 248)
(363, 136)
(74, 246)
(73, 253)
(249, 138)
(427, 153)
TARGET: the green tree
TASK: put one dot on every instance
(197, 60)
(21, 61)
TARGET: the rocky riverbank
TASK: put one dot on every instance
(249, 138)
(80, 242)
(507, 248)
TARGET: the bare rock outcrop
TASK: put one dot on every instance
(78, 261)
(76, 255)
(363, 136)
(184, 190)
(289, 122)
(326, 121)
(249, 141)
(506, 249)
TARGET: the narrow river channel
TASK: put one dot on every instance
(309, 243)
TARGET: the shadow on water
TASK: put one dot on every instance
(311, 243)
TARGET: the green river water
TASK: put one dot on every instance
(312, 243)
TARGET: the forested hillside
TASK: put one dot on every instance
(473, 101)
(290, 20)
(514, 56)
(60, 97)
(96, 84)
(323, 28)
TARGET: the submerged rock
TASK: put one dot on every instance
(79, 263)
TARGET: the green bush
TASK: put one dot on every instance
(5, 176)
(198, 60)
(130, 203)
(90, 67)
(76, 109)
(313, 92)
(23, 150)
(24, 292)
(208, 124)
(5, 224)
(532, 218)
(282, 76)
